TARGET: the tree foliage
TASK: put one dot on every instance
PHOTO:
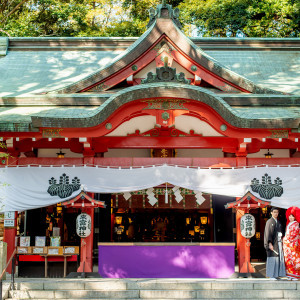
(68, 18)
(7, 9)
(78, 17)
(253, 18)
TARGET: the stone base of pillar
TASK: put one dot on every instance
(3, 257)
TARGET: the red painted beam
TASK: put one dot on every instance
(148, 161)
(165, 142)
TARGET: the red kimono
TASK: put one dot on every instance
(291, 248)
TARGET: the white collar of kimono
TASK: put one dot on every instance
(289, 225)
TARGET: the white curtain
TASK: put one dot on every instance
(24, 188)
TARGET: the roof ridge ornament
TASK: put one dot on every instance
(164, 11)
(166, 74)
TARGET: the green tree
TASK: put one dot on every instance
(79, 17)
(138, 12)
(7, 9)
(47, 18)
(252, 18)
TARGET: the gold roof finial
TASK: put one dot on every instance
(166, 61)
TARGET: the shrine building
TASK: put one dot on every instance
(161, 142)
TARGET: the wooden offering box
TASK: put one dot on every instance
(39, 250)
(24, 250)
(55, 250)
(71, 250)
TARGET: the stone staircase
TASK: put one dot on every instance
(154, 289)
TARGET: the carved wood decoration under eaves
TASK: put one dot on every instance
(165, 132)
(281, 133)
(166, 74)
(165, 104)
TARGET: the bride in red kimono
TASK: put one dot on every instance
(291, 243)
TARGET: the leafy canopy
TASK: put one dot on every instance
(252, 18)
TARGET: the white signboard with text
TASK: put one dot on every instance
(9, 219)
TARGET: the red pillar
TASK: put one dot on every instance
(243, 246)
(112, 224)
(241, 161)
(9, 237)
(86, 253)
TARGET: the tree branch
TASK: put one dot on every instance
(5, 32)
(12, 11)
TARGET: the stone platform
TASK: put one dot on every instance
(100, 288)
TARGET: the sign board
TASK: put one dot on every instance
(9, 215)
(9, 223)
(9, 219)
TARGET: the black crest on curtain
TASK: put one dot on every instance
(266, 189)
(64, 188)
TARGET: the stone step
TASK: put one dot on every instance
(111, 298)
(155, 294)
(221, 294)
(77, 294)
(72, 285)
(126, 284)
(154, 289)
(5, 288)
(151, 299)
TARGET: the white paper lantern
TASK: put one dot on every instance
(83, 225)
(247, 226)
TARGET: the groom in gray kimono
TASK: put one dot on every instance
(272, 241)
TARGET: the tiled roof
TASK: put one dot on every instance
(31, 72)
(38, 65)
(40, 78)
(270, 114)
(19, 118)
(278, 70)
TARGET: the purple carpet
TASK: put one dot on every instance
(166, 261)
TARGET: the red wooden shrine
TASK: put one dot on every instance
(86, 204)
(243, 206)
(115, 96)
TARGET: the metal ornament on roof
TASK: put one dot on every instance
(166, 74)
(247, 224)
(164, 11)
(83, 225)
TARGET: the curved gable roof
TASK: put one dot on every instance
(165, 27)
(256, 117)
